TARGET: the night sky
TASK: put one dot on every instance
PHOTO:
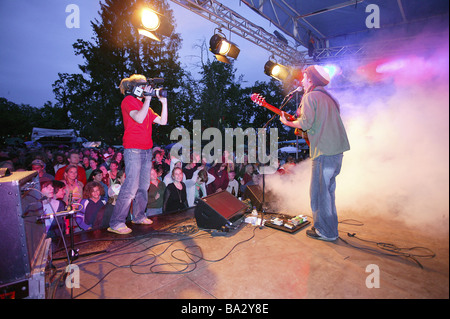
(36, 44)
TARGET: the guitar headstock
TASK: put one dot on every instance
(258, 99)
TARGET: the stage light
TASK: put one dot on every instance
(369, 71)
(392, 66)
(222, 48)
(150, 19)
(332, 70)
(148, 34)
(150, 23)
(276, 70)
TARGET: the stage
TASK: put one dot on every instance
(172, 259)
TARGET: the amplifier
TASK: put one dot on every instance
(221, 211)
(36, 285)
(255, 194)
(22, 236)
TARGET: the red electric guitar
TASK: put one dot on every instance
(260, 100)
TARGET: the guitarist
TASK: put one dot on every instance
(320, 118)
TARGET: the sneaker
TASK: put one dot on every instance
(145, 221)
(312, 233)
(121, 231)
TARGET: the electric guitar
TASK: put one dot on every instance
(260, 100)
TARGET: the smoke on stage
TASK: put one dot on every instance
(398, 127)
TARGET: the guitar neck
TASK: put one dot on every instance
(275, 110)
(258, 99)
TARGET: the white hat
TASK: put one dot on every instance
(318, 75)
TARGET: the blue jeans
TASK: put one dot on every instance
(322, 192)
(154, 211)
(138, 164)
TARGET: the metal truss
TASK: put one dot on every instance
(290, 21)
(226, 18)
(376, 49)
(337, 53)
(284, 17)
(293, 24)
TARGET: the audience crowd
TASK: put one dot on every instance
(88, 181)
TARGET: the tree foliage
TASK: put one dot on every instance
(90, 101)
(222, 102)
(116, 52)
(18, 120)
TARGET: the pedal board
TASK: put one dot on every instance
(289, 225)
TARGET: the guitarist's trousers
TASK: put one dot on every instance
(322, 191)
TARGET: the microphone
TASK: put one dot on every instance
(299, 89)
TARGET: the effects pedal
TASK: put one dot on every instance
(290, 225)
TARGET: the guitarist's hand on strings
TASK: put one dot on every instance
(283, 119)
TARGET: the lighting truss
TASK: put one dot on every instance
(291, 22)
(226, 18)
(372, 50)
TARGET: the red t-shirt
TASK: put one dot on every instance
(136, 135)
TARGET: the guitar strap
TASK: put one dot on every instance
(331, 97)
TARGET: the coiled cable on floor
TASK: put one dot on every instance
(387, 249)
(392, 250)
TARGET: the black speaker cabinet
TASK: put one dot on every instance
(21, 235)
(220, 211)
(255, 194)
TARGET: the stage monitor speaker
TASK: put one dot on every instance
(221, 211)
(255, 194)
(21, 235)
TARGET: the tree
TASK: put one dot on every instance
(18, 120)
(117, 51)
(259, 116)
(219, 94)
(220, 101)
(71, 95)
(15, 119)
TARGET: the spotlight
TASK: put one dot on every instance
(276, 70)
(222, 48)
(332, 70)
(151, 22)
(150, 19)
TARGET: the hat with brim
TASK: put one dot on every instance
(318, 75)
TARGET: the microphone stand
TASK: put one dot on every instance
(283, 104)
(73, 253)
(263, 204)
